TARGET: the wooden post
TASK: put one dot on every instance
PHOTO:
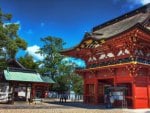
(148, 98)
(84, 93)
(32, 91)
(26, 92)
(13, 90)
(133, 96)
(148, 94)
(96, 92)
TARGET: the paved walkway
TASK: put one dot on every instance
(56, 107)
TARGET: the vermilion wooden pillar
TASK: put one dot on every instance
(33, 91)
(133, 96)
(84, 96)
(148, 94)
(148, 87)
(96, 91)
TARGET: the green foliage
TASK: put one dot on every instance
(14, 42)
(77, 84)
(63, 79)
(75, 81)
(68, 80)
(28, 62)
(11, 48)
(9, 37)
(62, 84)
(52, 58)
(3, 65)
(4, 17)
(21, 43)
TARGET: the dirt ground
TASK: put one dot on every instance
(60, 111)
(69, 107)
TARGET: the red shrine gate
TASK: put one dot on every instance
(117, 55)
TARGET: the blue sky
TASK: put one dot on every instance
(68, 19)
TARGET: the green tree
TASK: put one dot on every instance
(62, 84)
(3, 37)
(28, 62)
(75, 81)
(52, 58)
(69, 80)
(77, 84)
(63, 81)
(4, 17)
(9, 37)
(14, 42)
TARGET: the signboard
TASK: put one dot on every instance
(21, 93)
(118, 95)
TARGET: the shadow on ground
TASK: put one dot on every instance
(50, 105)
(77, 105)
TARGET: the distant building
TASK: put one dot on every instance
(20, 84)
(117, 55)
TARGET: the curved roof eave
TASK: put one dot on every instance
(138, 25)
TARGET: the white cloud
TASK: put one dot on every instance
(132, 3)
(32, 51)
(17, 22)
(8, 23)
(144, 1)
(136, 2)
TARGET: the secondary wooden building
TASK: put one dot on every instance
(117, 56)
(20, 84)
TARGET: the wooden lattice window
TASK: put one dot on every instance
(90, 89)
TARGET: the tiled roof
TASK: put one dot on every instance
(124, 22)
(121, 26)
(26, 77)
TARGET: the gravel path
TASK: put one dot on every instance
(56, 107)
(60, 111)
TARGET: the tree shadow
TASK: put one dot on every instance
(77, 105)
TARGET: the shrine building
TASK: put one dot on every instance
(20, 84)
(117, 57)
